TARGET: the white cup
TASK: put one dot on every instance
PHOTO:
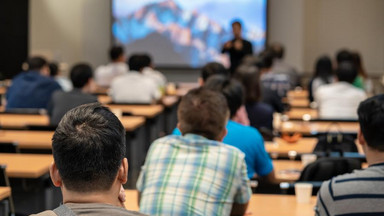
(307, 159)
(303, 192)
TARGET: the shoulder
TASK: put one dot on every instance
(242, 129)
(45, 213)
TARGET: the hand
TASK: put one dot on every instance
(238, 45)
(122, 196)
(228, 45)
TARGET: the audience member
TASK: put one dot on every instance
(323, 75)
(340, 100)
(195, 174)
(33, 88)
(237, 48)
(362, 80)
(105, 74)
(281, 67)
(245, 138)
(135, 87)
(89, 163)
(343, 55)
(149, 71)
(260, 114)
(361, 192)
(64, 82)
(82, 80)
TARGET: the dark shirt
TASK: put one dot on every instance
(260, 115)
(30, 90)
(62, 102)
(270, 97)
(237, 55)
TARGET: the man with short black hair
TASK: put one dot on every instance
(106, 73)
(89, 162)
(210, 69)
(361, 192)
(135, 87)
(155, 75)
(340, 100)
(195, 174)
(33, 88)
(82, 81)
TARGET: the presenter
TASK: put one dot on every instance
(237, 47)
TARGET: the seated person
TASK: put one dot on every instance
(104, 74)
(135, 87)
(245, 138)
(89, 162)
(361, 192)
(33, 88)
(63, 81)
(195, 174)
(340, 100)
(149, 71)
(61, 102)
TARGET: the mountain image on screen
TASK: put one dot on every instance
(171, 34)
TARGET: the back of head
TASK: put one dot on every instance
(323, 68)
(137, 62)
(249, 76)
(36, 63)
(88, 147)
(346, 72)
(80, 75)
(265, 59)
(230, 88)
(343, 56)
(53, 69)
(213, 68)
(147, 60)
(116, 52)
(371, 119)
(278, 50)
(203, 112)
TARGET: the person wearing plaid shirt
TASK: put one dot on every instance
(195, 174)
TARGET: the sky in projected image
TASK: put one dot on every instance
(185, 32)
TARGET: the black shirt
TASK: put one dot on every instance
(237, 55)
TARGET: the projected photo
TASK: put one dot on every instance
(185, 32)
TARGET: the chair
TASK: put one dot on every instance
(335, 142)
(9, 147)
(4, 181)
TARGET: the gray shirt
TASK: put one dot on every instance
(62, 102)
(358, 193)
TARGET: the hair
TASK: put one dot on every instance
(203, 112)
(213, 68)
(278, 50)
(115, 52)
(36, 63)
(249, 76)
(230, 88)
(323, 68)
(371, 119)
(346, 72)
(237, 22)
(359, 64)
(147, 60)
(88, 147)
(343, 55)
(53, 69)
(80, 75)
(265, 59)
(137, 62)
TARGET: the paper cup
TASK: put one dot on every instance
(307, 159)
(303, 192)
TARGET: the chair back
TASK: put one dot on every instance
(9, 147)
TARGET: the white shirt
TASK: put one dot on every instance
(134, 87)
(106, 73)
(339, 100)
(157, 76)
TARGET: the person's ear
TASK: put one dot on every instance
(200, 81)
(223, 133)
(123, 171)
(361, 138)
(55, 175)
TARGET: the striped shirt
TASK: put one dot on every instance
(358, 193)
(191, 175)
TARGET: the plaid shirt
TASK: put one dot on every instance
(191, 175)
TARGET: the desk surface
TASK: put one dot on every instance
(287, 170)
(28, 139)
(5, 192)
(298, 94)
(148, 111)
(259, 205)
(298, 113)
(317, 127)
(131, 123)
(26, 165)
(23, 120)
(282, 147)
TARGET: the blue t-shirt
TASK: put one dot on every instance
(249, 141)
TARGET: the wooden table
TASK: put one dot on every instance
(167, 101)
(104, 99)
(302, 113)
(298, 102)
(26, 165)
(23, 120)
(298, 94)
(287, 170)
(259, 205)
(148, 111)
(5, 192)
(306, 127)
(282, 147)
